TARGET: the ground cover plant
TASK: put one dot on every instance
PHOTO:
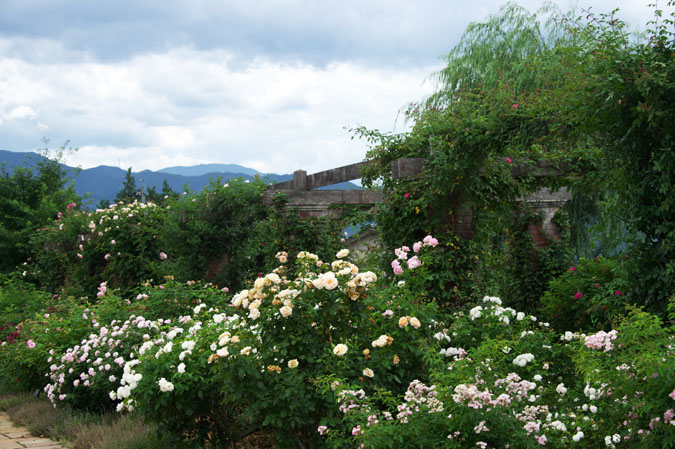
(77, 429)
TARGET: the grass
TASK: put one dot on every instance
(79, 430)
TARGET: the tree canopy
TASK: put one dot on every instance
(30, 197)
(577, 93)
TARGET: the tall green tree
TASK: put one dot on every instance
(129, 192)
(31, 197)
(630, 111)
(506, 46)
(580, 94)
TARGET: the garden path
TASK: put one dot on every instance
(13, 437)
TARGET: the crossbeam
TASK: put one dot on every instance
(302, 181)
(302, 198)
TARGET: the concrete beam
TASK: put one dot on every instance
(311, 198)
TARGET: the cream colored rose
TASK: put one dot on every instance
(403, 321)
(259, 283)
(340, 349)
(380, 342)
(342, 253)
(330, 282)
(368, 372)
(274, 278)
(318, 282)
(415, 322)
(286, 311)
(293, 363)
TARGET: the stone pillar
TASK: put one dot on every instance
(300, 180)
(546, 203)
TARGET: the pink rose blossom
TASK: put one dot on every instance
(578, 295)
(30, 344)
(413, 263)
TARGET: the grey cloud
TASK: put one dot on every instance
(316, 32)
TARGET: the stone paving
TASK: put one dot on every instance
(13, 437)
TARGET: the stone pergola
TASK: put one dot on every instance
(308, 202)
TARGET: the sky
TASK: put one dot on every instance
(271, 85)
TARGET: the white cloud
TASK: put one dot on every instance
(269, 85)
(20, 113)
(187, 106)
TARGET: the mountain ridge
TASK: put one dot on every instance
(103, 182)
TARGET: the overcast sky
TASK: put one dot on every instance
(271, 85)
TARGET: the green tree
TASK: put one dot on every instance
(30, 198)
(163, 195)
(129, 191)
(630, 111)
(504, 99)
(579, 94)
(506, 46)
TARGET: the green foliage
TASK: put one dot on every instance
(589, 295)
(596, 227)
(633, 381)
(223, 234)
(510, 382)
(29, 199)
(219, 234)
(528, 267)
(118, 245)
(629, 113)
(502, 47)
(470, 187)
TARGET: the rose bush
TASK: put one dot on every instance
(589, 295)
(508, 381)
(253, 364)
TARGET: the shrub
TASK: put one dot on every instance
(511, 383)
(81, 375)
(118, 245)
(589, 295)
(252, 365)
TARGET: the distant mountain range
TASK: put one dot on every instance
(103, 182)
